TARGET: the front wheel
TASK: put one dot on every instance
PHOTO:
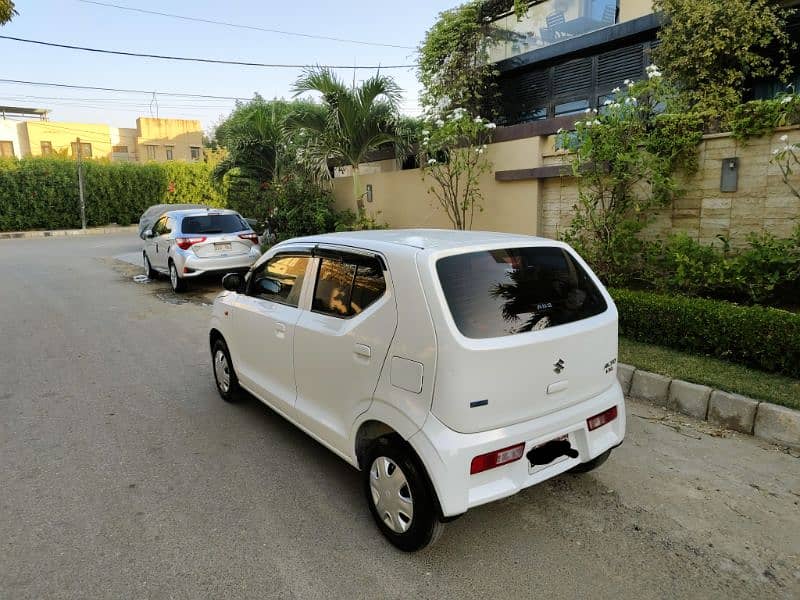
(224, 375)
(148, 268)
(178, 284)
(591, 465)
(400, 497)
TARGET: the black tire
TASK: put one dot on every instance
(424, 526)
(233, 391)
(591, 465)
(148, 268)
(178, 284)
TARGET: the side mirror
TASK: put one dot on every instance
(268, 285)
(233, 282)
(148, 233)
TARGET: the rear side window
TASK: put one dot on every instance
(496, 293)
(213, 224)
(345, 289)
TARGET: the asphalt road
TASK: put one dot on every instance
(123, 475)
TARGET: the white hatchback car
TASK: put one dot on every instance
(453, 368)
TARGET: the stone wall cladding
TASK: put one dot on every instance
(762, 201)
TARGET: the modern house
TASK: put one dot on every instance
(566, 56)
(151, 139)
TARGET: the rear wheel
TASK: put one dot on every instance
(224, 375)
(148, 268)
(591, 465)
(178, 284)
(400, 497)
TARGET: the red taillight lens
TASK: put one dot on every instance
(604, 417)
(484, 462)
(252, 237)
(184, 243)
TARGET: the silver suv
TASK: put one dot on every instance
(188, 243)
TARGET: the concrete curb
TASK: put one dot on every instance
(21, 235)
(769, 422)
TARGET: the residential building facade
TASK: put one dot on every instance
(151, 140)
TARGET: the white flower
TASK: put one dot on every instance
(784, 138)
(596, 122)
(588, 123)
(424, 142)
(479, 151)
(587, 111)
(490, 126)
(786, 99)
(627, 82)
(616, 90)
(484, 147)
(431, 161)
(478, 120)
(607, 102)
(776, 151)
(439, 123)
(425, 132)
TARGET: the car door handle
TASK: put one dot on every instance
(280, 329)
(558, 386)
(362, 350)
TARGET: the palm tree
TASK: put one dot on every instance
(356, 120)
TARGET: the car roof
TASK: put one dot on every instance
(423, 239)
(199, 212)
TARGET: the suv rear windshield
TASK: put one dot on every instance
(213, 224)
(496, 293)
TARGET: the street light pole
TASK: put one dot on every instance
(78, 154)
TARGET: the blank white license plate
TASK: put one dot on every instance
(222, 246)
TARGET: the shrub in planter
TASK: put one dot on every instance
(761, 337)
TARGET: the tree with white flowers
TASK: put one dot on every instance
(453, 158)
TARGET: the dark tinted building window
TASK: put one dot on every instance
(345, 289)
(213, 224)
(504, 292)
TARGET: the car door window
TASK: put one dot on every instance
(161, 227)
(280, 279)
(344, 288)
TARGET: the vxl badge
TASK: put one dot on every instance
(558, 366)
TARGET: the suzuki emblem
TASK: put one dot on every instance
(558, 365)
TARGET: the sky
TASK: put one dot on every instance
(81, 23)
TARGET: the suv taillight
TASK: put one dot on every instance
(251, 237)
(484, 462)
(184, 243)
(604, 417)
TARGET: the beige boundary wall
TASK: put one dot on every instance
(544, 206)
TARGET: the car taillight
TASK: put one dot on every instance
(184, 243)
(484, 462)
(604, 417)
(252, 237)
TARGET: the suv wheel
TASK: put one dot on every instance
(178, 284)
(224, 375)
(148, 268)
(400, 497)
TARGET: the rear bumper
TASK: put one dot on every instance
(191, 265)
(447, 454)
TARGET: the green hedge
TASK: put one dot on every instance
(42, 193)
(761, 337)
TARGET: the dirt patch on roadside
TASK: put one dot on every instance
(201, 292)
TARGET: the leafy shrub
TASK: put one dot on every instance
(297, 206)
(761, 337)
(347, 220)
(760, 117)
(42, 193)
(766, 272)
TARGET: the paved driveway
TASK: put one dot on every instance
(123, 475)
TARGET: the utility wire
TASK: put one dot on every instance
(122, 90)
(240, 26)
(202, 60)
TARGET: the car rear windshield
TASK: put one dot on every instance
(213, 224)
(496, 293)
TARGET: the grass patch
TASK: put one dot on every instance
(712, 372)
